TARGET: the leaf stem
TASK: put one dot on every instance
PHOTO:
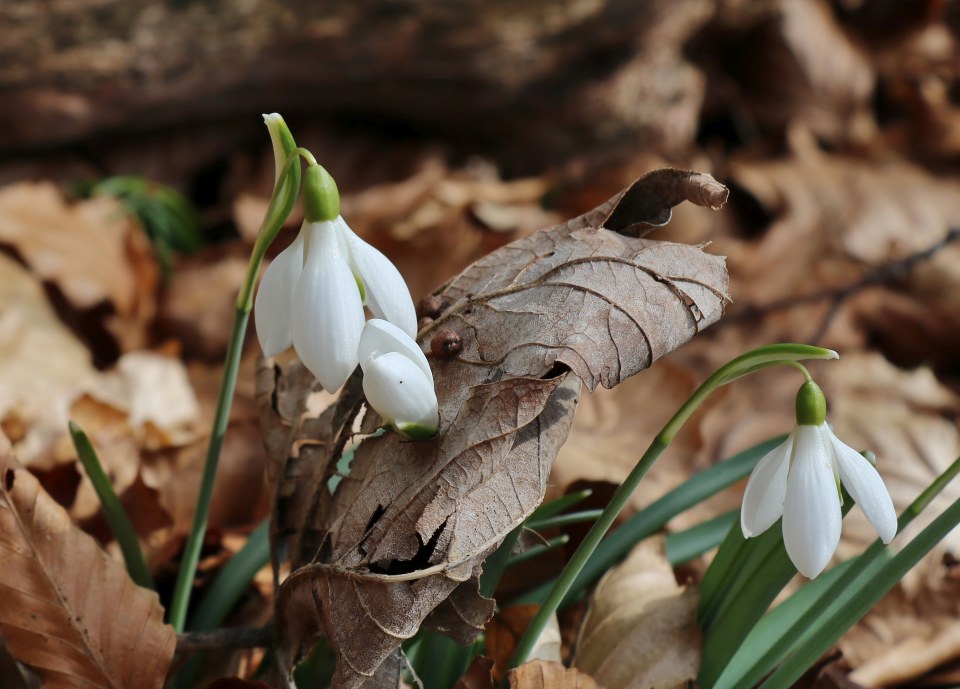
(113, 510)
(763, 357)
(191, 553)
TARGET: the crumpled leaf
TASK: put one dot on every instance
(640, 631)
(70, 244)
(413, 521)
(543, 674)
(62, 625)
(43, 366)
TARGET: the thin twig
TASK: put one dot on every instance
(887, 272)
(231, 637)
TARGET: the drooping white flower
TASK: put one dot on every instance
(397, 380)
(799, 480)
(313, 293)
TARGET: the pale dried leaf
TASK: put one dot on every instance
(91, 250)
(542, 674)
(43, 367)
(640, 631)
(65, 626)
(907, 636)
(415, 520)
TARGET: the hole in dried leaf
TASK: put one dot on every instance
(374, 518)
(419, 561)
(555, 371)
(8, 479)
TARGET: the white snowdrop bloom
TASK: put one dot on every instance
(397, 380)
(313, 293)
(799, 480)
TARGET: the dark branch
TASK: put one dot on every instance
(256, 637)
(887, 272)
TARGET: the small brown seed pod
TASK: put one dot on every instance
(446, 344)
(430, 307)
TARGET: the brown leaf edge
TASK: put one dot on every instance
(68, 610)
(543, 674)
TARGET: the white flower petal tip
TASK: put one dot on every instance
(385, 290)
(799, 480)
(397, 387)
(833, 354)
(863, 482)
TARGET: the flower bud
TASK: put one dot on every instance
(397, 380)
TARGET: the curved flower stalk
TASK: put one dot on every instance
(397, 380)
(313, 294)
(799, 480)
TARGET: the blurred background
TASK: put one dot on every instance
(135, 170)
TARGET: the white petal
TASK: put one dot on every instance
(397, 388)
(811, 510)
(327, 314)
(387, 294)
(380, 336)
(275, 299)
(765, 491)
(865, 485)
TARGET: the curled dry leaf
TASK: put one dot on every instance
(543, 674)
(413, 522)
(64, 626)
(640, 631)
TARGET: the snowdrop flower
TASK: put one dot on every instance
(800, 480)
(313, 294)
(397, 380)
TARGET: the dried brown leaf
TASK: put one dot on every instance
(413, 521)
(61, 595)
(542, 674)
(478, 676)
(907, 636)
(640, 631)
(43, 367)
(91, 250)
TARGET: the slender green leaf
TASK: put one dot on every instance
(691, 543)
(538, 550)
(563, 520)
(113, 510)
(655, 516)
(865, 594)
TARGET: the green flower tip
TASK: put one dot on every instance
(811, 405)
(416, 431)
(321, 200)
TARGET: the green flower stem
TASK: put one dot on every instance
(284, 197)
(113, 510)
(763, 357)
